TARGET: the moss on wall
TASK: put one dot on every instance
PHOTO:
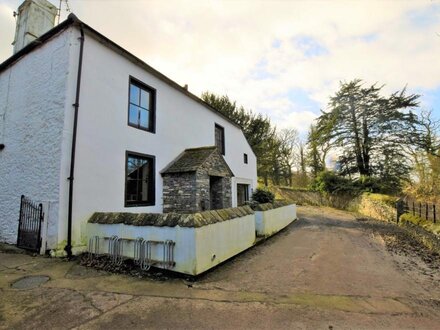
(381, 207)
(270, 206)
(428, 225)
(198, 219)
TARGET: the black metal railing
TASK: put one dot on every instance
(29, 224)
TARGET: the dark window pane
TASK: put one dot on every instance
(141, 108)
(219, 139)
(143, 119)
(133, 117)
(131, 190)
(139, 181)
(134, 94)
(145, 99)
(144, 182)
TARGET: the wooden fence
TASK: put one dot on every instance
(423, 210)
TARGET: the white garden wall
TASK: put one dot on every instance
(272, 221)
(196, 250)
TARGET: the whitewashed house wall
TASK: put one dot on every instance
(104, 135)
(36, 121)
(34, 94)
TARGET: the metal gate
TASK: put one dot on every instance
(29, 225)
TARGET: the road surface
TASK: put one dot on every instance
(328, 270)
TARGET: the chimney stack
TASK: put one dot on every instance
(35, 17)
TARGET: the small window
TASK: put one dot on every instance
(245, 158)
(141, 106)
(139, 179)
(220, 138)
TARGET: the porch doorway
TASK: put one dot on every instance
(242, 194)
(215, 192)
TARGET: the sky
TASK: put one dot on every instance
(280, 58)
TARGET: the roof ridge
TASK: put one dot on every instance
(201, 148)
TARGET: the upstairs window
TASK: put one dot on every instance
(141, 106)
(220, 138)
(139, 180)
(245, 158)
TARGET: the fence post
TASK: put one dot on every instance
(19, 218)
(433, 210)
(400, 208)
(420, 209)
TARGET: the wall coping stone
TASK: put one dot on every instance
(270, 206)
(194, 220)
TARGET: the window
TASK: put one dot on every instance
(141, 106)
(220, 138)
(245, 158)
(139, 179)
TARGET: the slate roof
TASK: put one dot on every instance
(192, 159)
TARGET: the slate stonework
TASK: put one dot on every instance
(179, 192)
(198, 180)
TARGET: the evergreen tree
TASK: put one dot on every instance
(368, 129)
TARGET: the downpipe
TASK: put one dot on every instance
(68, 247)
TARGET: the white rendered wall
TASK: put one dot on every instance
(32, 110)
(104, 136)
(272, 221)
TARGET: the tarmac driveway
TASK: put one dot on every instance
(326, 270)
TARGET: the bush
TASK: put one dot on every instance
(331, 183)
(263, 196)
(385, 199)
(379, 185)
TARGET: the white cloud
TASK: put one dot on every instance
(217, 46)
(7, 30)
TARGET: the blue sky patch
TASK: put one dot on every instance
(259, 72)
(369, 37)
(426, 17)
(301, 98)
(276, 43)
(430, 100)
(310, 46)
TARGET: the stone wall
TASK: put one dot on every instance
(376, 208)
(202, 191)
(190, 192)
(227, 193)
(307, 197)
(180, 193)
(207, 188)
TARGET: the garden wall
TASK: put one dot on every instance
(270, 219)
(202, 240)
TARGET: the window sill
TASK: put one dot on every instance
(139, 204)
(142, 129)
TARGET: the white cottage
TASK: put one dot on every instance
(85, 126)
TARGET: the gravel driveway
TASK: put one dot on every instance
(328, 270)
